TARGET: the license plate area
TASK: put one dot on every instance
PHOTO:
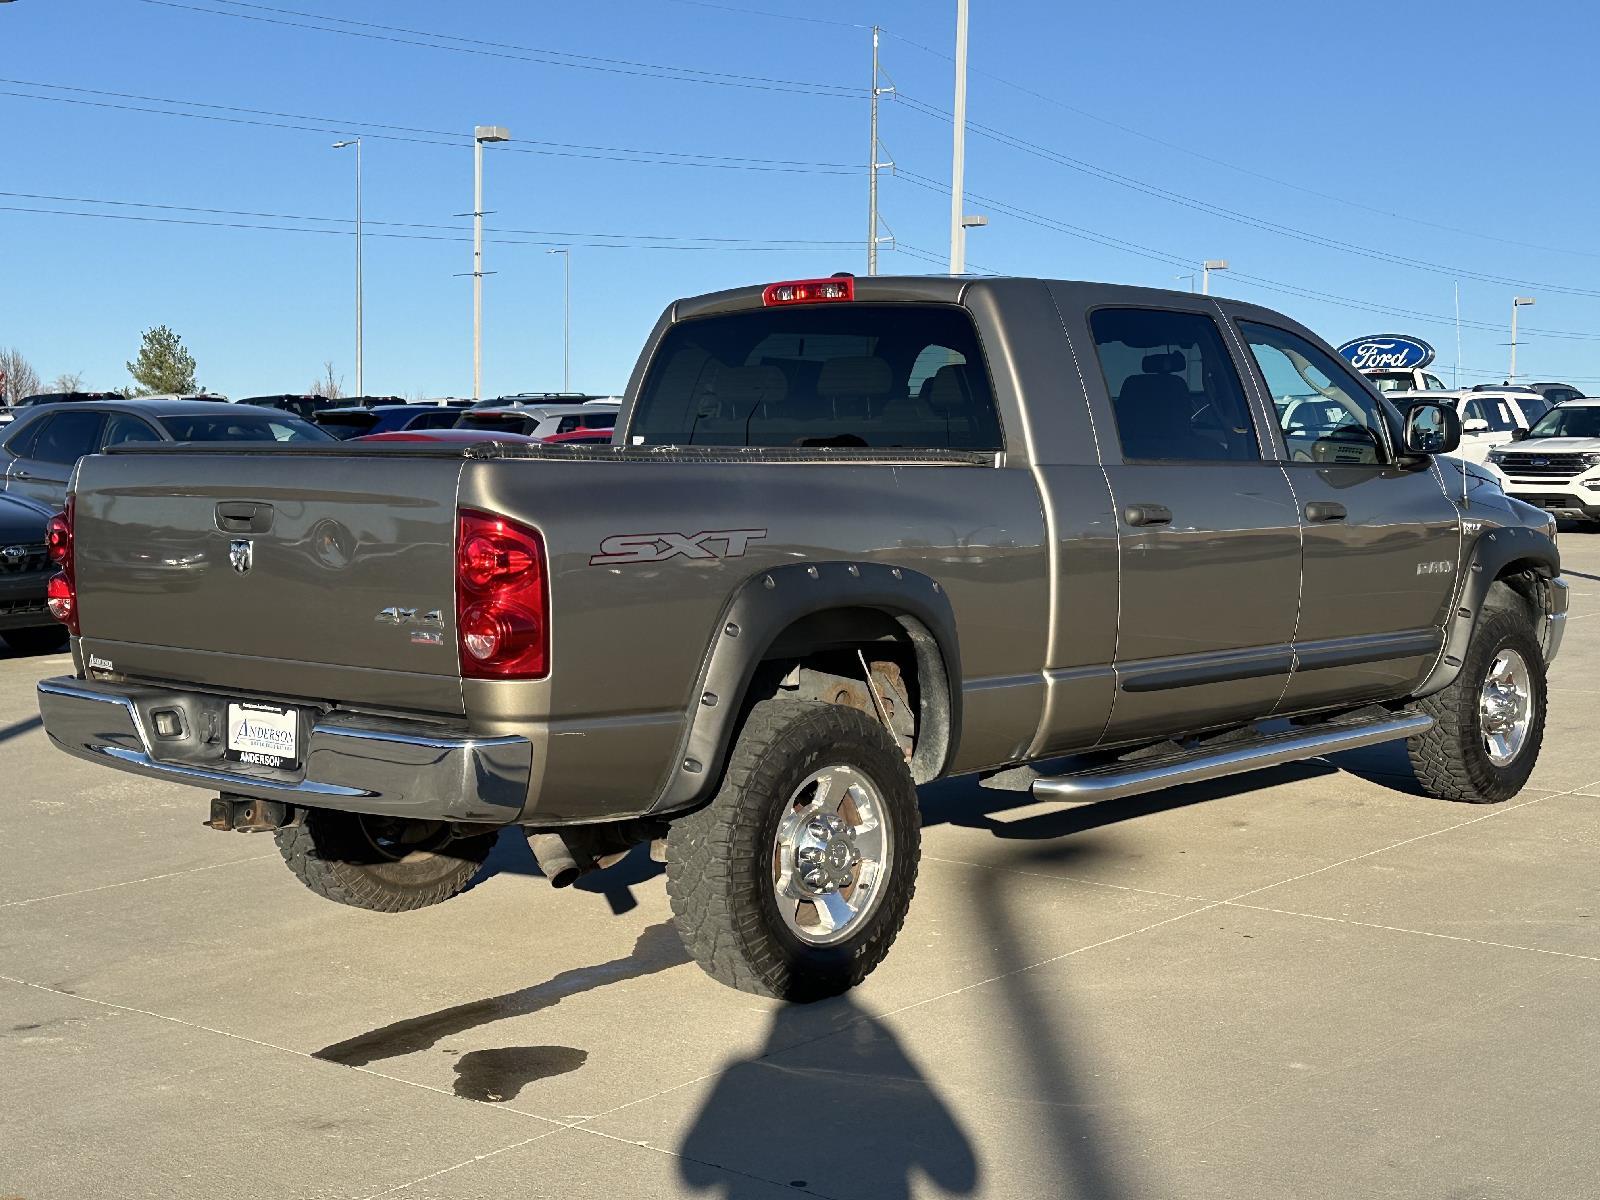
(263, 735)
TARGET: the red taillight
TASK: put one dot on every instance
(502, 599)
(809, 291)
(61, 592)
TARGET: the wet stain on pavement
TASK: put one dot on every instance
(494, 1075)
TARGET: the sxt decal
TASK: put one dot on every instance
(657, 547)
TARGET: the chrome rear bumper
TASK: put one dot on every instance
(355, 764)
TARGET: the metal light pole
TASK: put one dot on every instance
(1189, 277)
(1210, 265)
(480, 135)
(360, 380)
(958, 164)
(1516, 303)
(566, 322)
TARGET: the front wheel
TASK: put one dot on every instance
(794, 881)
(386, 864)
(1489, 723)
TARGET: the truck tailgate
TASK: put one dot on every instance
(321, 576)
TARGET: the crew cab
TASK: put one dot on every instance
(852, 535)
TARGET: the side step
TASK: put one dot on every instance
(1268, 750)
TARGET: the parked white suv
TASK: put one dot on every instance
(1488, 419)
(1557, 464)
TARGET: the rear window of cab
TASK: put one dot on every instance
(908, 376)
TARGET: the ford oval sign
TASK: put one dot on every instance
(1387, 352)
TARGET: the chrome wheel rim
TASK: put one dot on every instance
(1505, 707)
(831, 855)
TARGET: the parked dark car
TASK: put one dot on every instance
(347, 423)
(25, 623)
(1557, 393)
(39, 449)
(63, 398)
(303, 406)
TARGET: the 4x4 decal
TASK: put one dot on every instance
(655, 547)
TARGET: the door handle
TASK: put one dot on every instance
(1325, 510)
(244, 517)
(1147, 514)
(20, 475)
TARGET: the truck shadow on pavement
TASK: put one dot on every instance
(501, 1073)
(7, 732)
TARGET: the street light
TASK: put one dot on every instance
(1516, 303)
(1210, 265)
(958, 155)
(1189, 277)
(480, 135)
(566, 321)
(361, 389)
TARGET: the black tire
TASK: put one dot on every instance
(45, 639)
(379, 863)
(1450, 760)
(720, 859)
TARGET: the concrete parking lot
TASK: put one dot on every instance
(1310, 982)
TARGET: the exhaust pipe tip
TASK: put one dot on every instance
(555, 859)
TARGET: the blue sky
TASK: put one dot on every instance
(1377, 156)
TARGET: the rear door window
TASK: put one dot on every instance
(1174, 391)
(68, 436)
(908, 376)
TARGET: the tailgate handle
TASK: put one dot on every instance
(243, 516)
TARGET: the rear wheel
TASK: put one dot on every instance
(795, 879)
(1489, 723)
(46, 639)
(386, 864)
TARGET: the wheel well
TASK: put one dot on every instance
(888, 665)
(1520, 585)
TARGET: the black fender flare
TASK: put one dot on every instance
(767, 604)
(1494, 551)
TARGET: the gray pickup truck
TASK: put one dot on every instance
(852, 535)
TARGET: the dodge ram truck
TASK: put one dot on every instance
(850, 536)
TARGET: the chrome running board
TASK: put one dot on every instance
(1269, 750)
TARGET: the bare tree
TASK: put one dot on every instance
(67, 381)
(17, 376)
(328, 384)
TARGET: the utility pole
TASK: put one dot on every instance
(480, 135)
(1455, 373)
(874, 221)
(566, 321)
(1210, 265)
(958, 164)
(356, 142)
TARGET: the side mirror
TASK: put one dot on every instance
(1519, 434)
(1432, 429)
(1475, 425)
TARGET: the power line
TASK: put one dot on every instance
(1242, 218)
(1171, 259)
(431, 137)
(431, 40)
(613, 241)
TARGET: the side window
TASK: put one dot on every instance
(1326, 414)
(68, 436)
(123, 428)
(1473, 411)
(1431, 383)
(1174, 390)
(21, 442)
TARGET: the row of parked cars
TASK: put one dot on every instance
(43, 437)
